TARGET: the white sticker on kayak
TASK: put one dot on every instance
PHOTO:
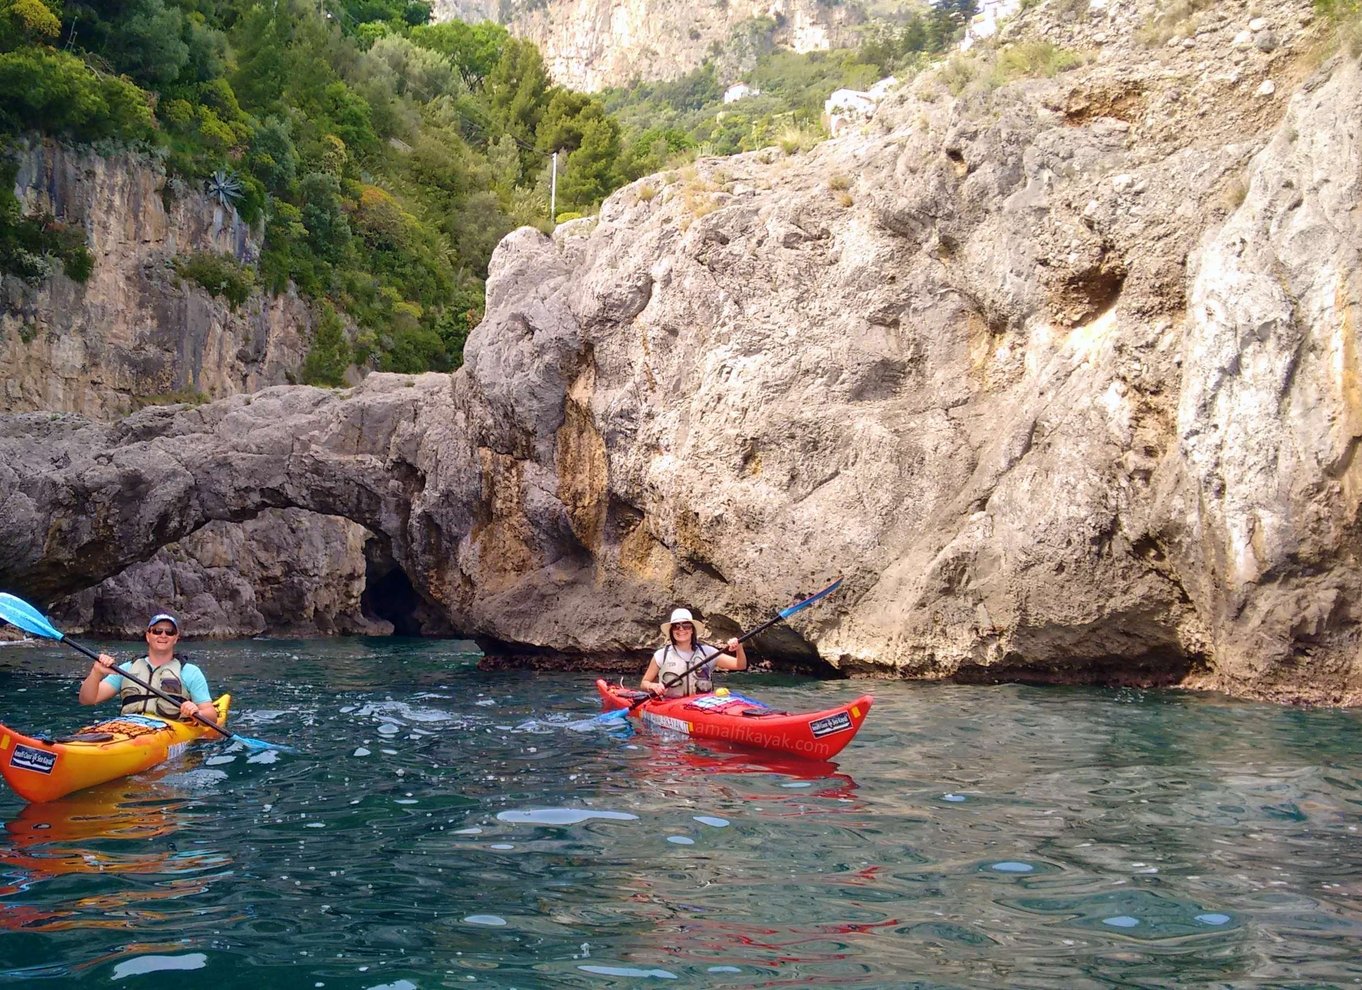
(37, 760)
(666, 722)
(833, 723)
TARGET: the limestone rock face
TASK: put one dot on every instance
(589, 45)
(135, 333)
(284, 573)
(1059, 374)
(1266, 481)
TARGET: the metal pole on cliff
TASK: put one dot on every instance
(553, 188)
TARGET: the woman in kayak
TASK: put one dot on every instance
(161, 668)
(685, 665)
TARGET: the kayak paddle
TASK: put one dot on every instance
(18, 612)
(780, 616)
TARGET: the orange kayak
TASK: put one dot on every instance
(46, 769)
(733, 718)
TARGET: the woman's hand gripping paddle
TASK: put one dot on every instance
(780, 616)
(18, 612)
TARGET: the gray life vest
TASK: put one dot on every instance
(137, 700)
(672, 665)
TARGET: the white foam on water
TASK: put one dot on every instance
(562, 816)
(660, 974)
(1121, 921)
(200, 779)
(141, 965)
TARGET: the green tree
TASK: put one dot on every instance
(474, 49)
(272, 158)
(463, 313)
(328, 231)
(413, 349)
(565, 120)
(517, 92)
(330, 353)
(947, 20)
(503, 157)
(27, 22)
(55, 92)
(591, 169)
(350, 118)
(261, 42)
(143, 38)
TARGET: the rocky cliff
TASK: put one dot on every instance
(136, 333)
(1059, 371)
(593, 44)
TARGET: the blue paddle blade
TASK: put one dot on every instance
(18, 612)
(613, 715)
(785, 613)
(259, 744)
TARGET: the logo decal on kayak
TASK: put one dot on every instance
(833, 723)
(666, 722)
(37, 760)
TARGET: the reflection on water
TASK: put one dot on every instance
(117, 858)
(443, 827)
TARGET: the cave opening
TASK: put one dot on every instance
(388, 594)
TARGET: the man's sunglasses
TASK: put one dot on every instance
(163, 632)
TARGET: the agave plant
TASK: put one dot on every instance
(224, 187)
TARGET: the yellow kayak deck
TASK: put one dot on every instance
(44, 770)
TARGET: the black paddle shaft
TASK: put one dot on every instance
(143, 684)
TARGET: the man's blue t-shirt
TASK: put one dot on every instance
(195, 684)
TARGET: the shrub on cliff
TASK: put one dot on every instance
(219, 274)
(29, 246)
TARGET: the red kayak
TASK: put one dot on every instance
(734, 718)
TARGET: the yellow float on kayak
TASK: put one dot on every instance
(44, 770)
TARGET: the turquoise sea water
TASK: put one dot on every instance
(444, 827)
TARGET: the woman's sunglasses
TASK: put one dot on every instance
(683, 625)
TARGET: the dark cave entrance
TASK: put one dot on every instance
(393, 598)
(388, 592)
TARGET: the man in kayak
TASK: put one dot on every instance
(686, 666)
(162, 669)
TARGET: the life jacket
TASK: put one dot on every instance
(672, 665)
(139, 701)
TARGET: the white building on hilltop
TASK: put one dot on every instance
(852, 106)
(985, 23)
(738, 90)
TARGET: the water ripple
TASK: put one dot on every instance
(441, 827)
